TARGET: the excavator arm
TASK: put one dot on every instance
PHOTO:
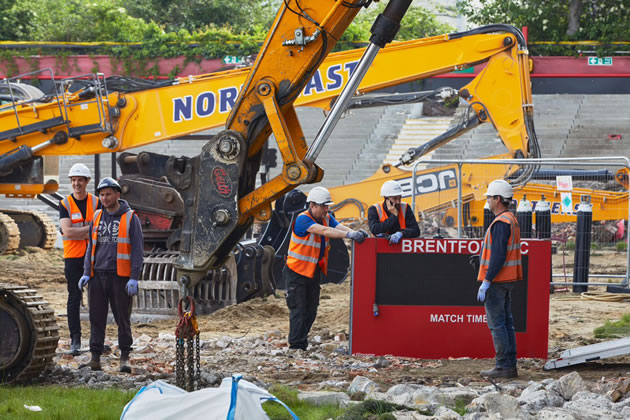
(218, 186)
(500, 94)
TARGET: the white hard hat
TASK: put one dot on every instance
(79, 169)
(319, 195)
(500, 187)
(391, 188)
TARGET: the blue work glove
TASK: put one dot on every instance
(481, 294)
(395, 238)
(364, 233)
(132, 287)
(83, 281)
(355, 235)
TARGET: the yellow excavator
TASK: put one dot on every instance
(216, 190)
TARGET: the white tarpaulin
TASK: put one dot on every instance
(234, 399)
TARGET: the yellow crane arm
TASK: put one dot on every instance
(219, 184)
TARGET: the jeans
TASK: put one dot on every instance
(498, 306)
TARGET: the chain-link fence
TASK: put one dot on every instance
(585, 200)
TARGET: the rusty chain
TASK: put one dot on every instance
(188, 371)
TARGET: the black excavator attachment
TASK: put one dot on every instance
(254, 267)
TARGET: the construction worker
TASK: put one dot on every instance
(307, 259)
(75, 214)
(112, 265)
(392, 217)
(499, 270)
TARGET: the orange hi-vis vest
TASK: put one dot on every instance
(303, 255)
(382, 215)
(512, 269)
(123, 249)
(75, 248)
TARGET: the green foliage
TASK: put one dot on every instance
(372, 409)
(302, 409)
(196, 15)
(15, 23)
(80, 21)
(621, 246)
(146, 29)
(460, 407)
(599, 20)
(616, 329)
(62, 403)
(418, 22)
(570, 245)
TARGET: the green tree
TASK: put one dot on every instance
(243, 16)
(81, 21)
(418, 22)
(15, 24)
(597, 20)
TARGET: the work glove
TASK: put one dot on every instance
(481, 294)
(132, 287)
(395, 238)
(474, 262)
(364, 233)
(355, 235)
(83, 281)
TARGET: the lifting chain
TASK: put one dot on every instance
(187, 363)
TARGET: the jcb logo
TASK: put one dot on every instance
(429, 182)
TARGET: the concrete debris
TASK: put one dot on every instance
(345, 380)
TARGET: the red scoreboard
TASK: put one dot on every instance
(418, 298)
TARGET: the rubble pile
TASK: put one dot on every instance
(327, 374)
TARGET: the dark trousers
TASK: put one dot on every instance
(302, 300)
(108, 289)
(73, 269)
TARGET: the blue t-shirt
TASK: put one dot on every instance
(303, 222)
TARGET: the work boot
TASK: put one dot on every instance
(500, 372)
(125, 366)
(75, 345)
(94, 363)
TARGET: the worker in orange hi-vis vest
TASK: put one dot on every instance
(112, 267)
(307, 260)
(500, 268)
(391, 217)
(75, 214)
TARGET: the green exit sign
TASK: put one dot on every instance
(600, 61)
(233, 59)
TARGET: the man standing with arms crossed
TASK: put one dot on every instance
(499, 269)
(307, 259)
(112, 265)
(75, 214)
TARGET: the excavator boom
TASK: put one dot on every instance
(218, 186)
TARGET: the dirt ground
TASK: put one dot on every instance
(572, 321)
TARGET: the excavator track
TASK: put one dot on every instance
(29, 333)
(35, 228)
(9, 234)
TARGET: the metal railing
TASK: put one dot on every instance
(586, 162)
